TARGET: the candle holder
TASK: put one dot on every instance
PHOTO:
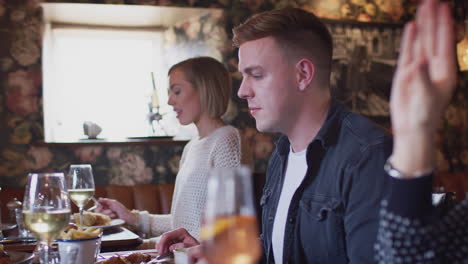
(154, 118)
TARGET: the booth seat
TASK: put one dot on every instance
(155, 198)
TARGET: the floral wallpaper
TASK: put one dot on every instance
(364, 61)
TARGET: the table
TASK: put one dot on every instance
(113, 239)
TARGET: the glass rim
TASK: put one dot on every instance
(69, 240)
(80, 165)
(58, 174)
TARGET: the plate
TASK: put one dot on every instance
(105, 256)
(113, 223)
(20, 257)
(11, 239)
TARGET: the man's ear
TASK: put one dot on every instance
(305, 73)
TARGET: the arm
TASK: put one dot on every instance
(422, 87)
(148, 224)
(409, 232)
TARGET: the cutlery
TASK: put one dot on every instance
(162, 258)
(96, 203)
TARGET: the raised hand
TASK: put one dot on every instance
(423, 85)
(426, 72)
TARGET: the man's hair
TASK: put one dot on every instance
(212, 81)
(297, 32)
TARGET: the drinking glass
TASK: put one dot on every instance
(46, 210)
(80, 184)
(229, 231)
(23, 232)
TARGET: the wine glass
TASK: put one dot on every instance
(46, 210)
(80, 184)
(229, 230)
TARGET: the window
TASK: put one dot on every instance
(104, 74)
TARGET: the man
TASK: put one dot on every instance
(325, 179)
(424, 82)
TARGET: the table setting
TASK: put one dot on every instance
(36, 232)
(52, 234)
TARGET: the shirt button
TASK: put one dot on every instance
(291, 219)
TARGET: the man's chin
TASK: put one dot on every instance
(262, 127)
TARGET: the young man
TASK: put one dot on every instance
(325, 178)
(424, 82)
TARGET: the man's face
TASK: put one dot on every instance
(267, 85)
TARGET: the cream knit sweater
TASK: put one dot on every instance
(221, 148)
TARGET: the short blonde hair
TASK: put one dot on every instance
(212, 81)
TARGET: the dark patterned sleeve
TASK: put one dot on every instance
(411, 232)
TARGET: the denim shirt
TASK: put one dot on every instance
(333, 215)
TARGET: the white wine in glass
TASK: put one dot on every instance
(46, 210)
(229, 231)
(80, 183)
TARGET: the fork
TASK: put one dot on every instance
(166, 257)
(96, 203)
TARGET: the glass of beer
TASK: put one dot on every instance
(229, 231)
(80, 186)
(46, 210)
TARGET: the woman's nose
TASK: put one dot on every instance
(170, 100)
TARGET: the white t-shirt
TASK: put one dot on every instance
(295, 172)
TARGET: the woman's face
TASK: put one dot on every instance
(184, 98)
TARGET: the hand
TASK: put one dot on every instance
(195, 256)
(422, 86)
(179, 238)
(115, 209)
(426, 72)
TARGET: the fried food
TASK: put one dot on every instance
(137, 258)
(134, 258)
(80, 233)
(113, 260)
(92, 219)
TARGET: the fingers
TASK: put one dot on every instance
(170, 238)
(427, 26)
(106, 206)
(195, 255)
(445, 33)
(104, 202)
(407, 44)
(176, 246)
(445, 53)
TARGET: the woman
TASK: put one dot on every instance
(409, 230)
(199, 92)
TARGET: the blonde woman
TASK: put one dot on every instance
(199, 92)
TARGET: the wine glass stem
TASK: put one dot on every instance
(46, 256)
(81, 216)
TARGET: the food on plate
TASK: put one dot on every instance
(138, 258)
(79, 233)
(113, 260)
(93, 219)
(134, 258)
(4, 257)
